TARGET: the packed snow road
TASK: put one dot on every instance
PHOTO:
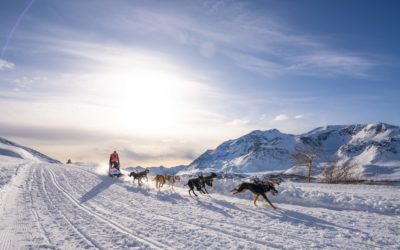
(67, 207)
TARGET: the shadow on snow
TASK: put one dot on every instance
(100, 187)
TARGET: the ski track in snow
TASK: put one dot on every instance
(47, 206)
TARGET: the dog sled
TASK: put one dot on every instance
(114, 172)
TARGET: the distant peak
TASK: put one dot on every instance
(380, 124)
(269, 131)
(379, 127)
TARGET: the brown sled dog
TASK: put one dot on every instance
(160, 181)
(260, 188)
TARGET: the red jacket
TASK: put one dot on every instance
(114, 157)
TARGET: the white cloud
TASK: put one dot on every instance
(6, 65)
(298, 116)
(26, 82)
(281, 117)
(254, 42)
(330, 63)
(253, 63)
(238, 122)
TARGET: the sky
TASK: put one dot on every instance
(163, 81)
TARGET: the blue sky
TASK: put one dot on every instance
(162, 81)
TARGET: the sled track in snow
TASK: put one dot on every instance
(120, 228)
(223, 232)
(79, 232)
(219, 231)
(35, 213)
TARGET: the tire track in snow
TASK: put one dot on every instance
(110, 223)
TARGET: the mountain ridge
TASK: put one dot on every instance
(373, 147)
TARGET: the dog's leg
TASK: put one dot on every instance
(239, 189)
(200, 189)
(255, 199)
(265, 197)
(234, 191)
(205, 189)
(191, 190)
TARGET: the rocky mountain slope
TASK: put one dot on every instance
(374, 148)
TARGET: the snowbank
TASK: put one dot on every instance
(329, 196)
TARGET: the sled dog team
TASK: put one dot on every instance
(258, 187)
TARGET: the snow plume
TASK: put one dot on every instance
(102, 169)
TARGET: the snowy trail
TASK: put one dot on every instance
(64, 207)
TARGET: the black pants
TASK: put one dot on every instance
(115, 164)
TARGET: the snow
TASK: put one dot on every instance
(366, 146)
(57, 206)
(12, 149)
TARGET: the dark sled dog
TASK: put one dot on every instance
(259, 188)
(200, 183)
(139, 176)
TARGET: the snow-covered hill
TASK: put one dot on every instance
(374, 148)
(80, 207)
(11, 149)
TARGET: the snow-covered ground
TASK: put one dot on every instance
(58, 206)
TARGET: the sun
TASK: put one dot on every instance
(147, 99)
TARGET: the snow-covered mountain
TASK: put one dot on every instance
(11, 149)
(257, 151)
(374, 148)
